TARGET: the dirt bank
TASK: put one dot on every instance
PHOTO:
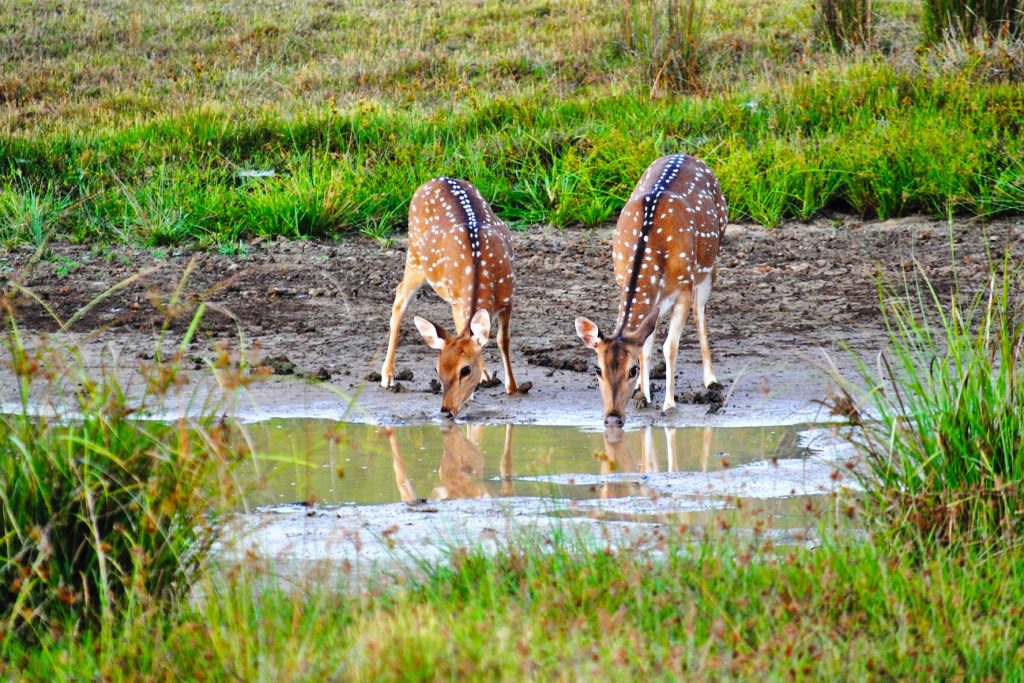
(321, 309)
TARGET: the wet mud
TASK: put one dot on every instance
(312, 312)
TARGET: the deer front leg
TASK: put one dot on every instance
(650, 459)
(644, 383)
(504, 343)
(670, 449)
(702, 292)
(411, 281)
(680, 310)
(505, 466)
(405, 489)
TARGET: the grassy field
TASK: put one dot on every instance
(123, 125)
(845, 611)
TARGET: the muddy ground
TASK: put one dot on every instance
(320, 309)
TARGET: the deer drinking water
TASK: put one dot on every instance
(666, 241)
(464, 251)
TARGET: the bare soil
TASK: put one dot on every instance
(318, 310)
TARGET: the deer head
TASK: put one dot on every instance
(618, 361)
(459, 366)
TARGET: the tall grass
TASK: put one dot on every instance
(844, 24)
(945, 446)
(104, 515)
(667, 38)
(967, 19)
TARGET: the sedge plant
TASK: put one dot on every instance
(944, 444)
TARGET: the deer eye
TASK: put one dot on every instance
(634, 371)
(465, 371)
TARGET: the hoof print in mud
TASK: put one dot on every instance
(435, 387)
(404, 375)
(372, 377)
(396, 388)
(489, 383)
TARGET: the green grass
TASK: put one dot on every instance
(104, 515)
(845, 611)
(352, 107)
(961, 19)
(945, 442)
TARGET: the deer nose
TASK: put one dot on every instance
(613, 420)
(446, 414)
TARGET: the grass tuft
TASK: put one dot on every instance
(844, 24)
(104, 515)
(945, 449)
(667, 38)
(968, 19)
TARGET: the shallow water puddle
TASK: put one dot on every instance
(322, 490)
(332, 463)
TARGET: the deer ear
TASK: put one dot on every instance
(588, 332)
(647, 325)
(434, 335)
(480, 326)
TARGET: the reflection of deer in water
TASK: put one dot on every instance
(618, 458)
(462, 466)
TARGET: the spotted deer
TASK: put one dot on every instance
(666, 241)
(464, 251)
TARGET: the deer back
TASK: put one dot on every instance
(667, 236)
(461, 246)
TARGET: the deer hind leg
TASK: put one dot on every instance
(411, 281)
(701, 293)
(504, 343)
(680, 310)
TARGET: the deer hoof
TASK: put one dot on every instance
(488, 383)
(641, 402)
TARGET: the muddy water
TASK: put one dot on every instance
(328, 491)
(333, 463)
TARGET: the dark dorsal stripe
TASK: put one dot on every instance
(472, 224)
(650, 208)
